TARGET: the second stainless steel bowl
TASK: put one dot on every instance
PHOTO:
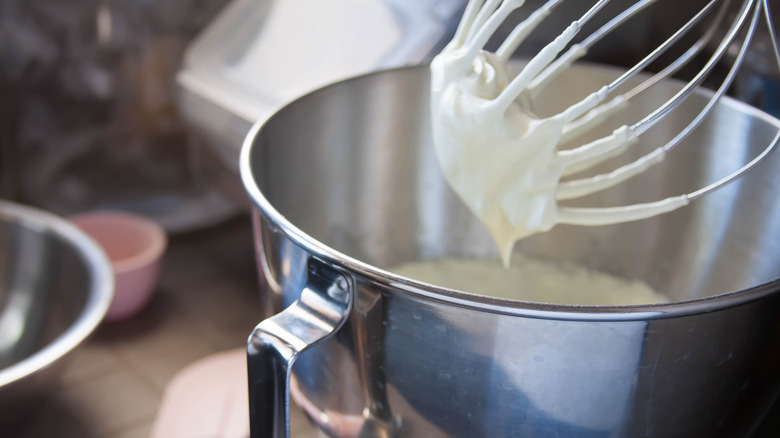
(55, 287)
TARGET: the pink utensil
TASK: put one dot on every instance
(134, 244)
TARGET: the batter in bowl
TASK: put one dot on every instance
(529, 279)
(505, 161)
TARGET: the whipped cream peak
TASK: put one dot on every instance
(501, 158)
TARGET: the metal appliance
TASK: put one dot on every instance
(359, 191)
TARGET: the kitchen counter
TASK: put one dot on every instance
(206, 302)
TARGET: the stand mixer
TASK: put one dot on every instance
(359, 190)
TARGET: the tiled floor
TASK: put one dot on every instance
(205, 303)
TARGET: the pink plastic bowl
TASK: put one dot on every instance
(135, 245)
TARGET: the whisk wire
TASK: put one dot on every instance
(541, 138)
(727, 81)
(683, 59)
(771, 28)
(585, 186)
(604, 110)
(775, 141)
(578, 50)
(654, 117)
(580, 187)
(602, 149)
(661, 49)
(542, 59)
(522, 30)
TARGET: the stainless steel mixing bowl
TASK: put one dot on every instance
(55, 286)
(345, 185)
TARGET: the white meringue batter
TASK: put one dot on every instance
(502, 159)
(530, 279)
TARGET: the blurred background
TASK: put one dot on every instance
(88, 115)
(141, 105)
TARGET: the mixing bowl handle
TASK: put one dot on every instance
(273, 346)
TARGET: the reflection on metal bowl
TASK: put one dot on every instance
(345, 185)
(55, 287)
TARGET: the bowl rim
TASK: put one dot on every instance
(474, 301)
(98, 299)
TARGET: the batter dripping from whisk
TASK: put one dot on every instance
(502, 159)
(505, 162)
